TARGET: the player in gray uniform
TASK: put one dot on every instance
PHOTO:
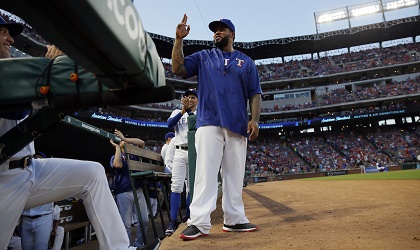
(178, 120)
(27, 182)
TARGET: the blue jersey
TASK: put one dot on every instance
(225, 83)
(122, 178)
(154, 193)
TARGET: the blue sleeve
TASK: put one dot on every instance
(15, 115)
(172, 121)
(191, 63)
(254, 86)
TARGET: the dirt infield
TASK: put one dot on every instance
(306, 214)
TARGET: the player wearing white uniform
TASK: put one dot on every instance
(27, 182)
(169, 155)
(37, 224)
(227, 80)
(168, 139)
(57, 233)
(178, 120)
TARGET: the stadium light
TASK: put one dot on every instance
(358, 10)
(393, 5)
(331, 16)
(363, 10)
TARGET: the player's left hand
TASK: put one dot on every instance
(119, 134)
(253, 130)
(113, 143)
(185, 104)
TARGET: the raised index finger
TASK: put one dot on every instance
(184, 19)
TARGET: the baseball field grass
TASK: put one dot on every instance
(413, 174)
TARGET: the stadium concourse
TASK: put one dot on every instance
(319, 114)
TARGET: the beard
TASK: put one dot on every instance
(222, 42)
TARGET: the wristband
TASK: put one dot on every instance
(189, 111)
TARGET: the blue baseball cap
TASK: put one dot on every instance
(14, 28)
(39, 155)
(191, 91)
(226, 22)
(169, 135)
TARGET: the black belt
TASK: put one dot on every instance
(22, 163)
(34, 216)
(182, 147)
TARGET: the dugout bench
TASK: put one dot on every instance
(73, 216)
(148, 168)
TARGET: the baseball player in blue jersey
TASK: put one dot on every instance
(123, 191)
(27, 182)
(227, 79)
(178, 121)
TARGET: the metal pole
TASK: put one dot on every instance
(348, 19)
(316, 27)
(383, 13)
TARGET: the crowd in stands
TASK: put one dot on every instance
(327, 152)
(337, 96)
(342, 95)
(401, 145)
(318, 153)
(353, 61)
(409, 86)
(334, 97)
(273, 157)
(357, 149)
(333, 151)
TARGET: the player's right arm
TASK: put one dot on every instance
(134, 141)
(116, 159)
(182, 30)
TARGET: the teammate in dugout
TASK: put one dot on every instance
(227, 79)
(178, 121)
(168, 139)
(123, 191)
(27, 182)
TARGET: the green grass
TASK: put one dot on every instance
(413, 174)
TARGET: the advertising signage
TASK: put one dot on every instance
(129, 121)
(332, 119)
(314, 122)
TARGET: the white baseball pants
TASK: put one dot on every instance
(217, 146)
(179, 171)
(36, 232)
(54, 179)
